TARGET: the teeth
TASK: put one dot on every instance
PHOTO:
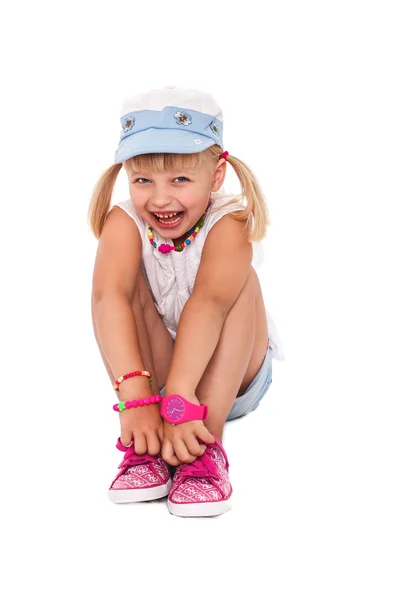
(164, 216)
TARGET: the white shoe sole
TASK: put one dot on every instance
(140, 495)
(202, 509)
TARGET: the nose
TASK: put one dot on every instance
(161, 198)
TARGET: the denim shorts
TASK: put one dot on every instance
(255, 392)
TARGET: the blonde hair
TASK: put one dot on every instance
(255, 212)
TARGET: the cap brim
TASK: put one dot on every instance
(162, 140)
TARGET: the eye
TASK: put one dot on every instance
(139, 178)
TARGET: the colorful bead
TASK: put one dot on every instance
(120, 406)
(132, 374)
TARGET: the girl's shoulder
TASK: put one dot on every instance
(127, 206)
(222, 204)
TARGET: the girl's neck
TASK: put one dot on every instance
(180, 240)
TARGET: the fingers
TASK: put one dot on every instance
(204, 435)
(182, 451)
(145, 442)
(185, 446)
(153, 443)
(140, 443)
(194, 447)
(126, 437)
(168, 453)
(160, 433)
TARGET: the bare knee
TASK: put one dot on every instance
(159, 338)
(252, 281)
(251, 288)
(141, 295)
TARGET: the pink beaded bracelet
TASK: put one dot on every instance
(120, 406)
(128, 375)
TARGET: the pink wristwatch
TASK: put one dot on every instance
(176, 409)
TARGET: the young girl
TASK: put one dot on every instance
(178, 312)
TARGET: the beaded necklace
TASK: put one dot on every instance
(166, 248)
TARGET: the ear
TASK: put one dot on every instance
(219, 175)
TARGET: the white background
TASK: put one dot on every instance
(310, 96)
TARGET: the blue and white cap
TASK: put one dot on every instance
(170, 119)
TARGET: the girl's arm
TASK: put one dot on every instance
(224, 267)
(115, 273)
(116, 267)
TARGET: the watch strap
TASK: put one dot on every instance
(192, 411)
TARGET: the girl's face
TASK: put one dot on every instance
(185, 192)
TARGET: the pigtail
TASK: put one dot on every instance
(256, 211)
(101, 199)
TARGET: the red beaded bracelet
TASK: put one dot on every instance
(133, 374)
(120, 406)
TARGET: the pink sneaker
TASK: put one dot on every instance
(141, 477)
(202, 488)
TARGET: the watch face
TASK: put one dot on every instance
(174, 409)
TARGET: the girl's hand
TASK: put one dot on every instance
(144, 425)
(182, 442)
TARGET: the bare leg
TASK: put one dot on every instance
(238, 356)
(156, 350)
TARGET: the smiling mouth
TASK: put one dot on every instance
(171, 219)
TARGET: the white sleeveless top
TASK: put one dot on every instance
(170, 277)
